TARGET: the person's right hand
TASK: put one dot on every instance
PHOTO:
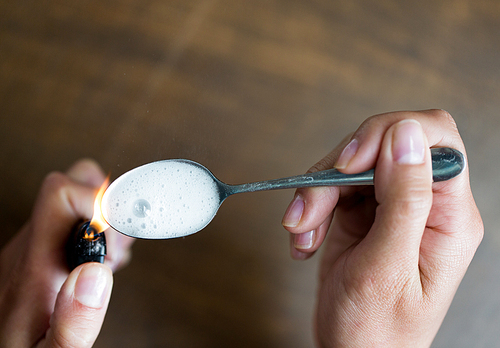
(397, 251)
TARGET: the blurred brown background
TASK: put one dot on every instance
(253, 90)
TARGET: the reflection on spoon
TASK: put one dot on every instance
(176, 198)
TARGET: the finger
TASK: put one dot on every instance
(80, 308)
(310, 208)
(362, 151)
(304, 245)
(403, 189)
(87, 172)
(119, 249)
(301, 217)
(59, 205)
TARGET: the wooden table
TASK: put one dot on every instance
(253, 90)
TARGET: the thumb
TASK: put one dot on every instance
(80, 307)
(403, 190)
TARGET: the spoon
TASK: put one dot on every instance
(176, 198)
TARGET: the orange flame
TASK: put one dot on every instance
(88, 236)
(98, 222)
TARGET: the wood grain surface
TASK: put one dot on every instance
(254, 90)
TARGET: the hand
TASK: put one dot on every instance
(396, 252)
(40, 304)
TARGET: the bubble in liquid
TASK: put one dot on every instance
(141, 208)
(129, 220)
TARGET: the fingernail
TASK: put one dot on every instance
(304, 240)
(92, 285)
(347, 154)
(294, 212)
(408, 144)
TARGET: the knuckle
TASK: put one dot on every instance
(476, 233)
(479, 234)
(415, 201)
(54, 182)
(444, 117)
(325, 163)
(54, 193)
(60, 341)
(443, 114)
(369, 122)
(67, 337)
(410, 204)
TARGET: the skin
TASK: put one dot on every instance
(396, 252)
(42, 304)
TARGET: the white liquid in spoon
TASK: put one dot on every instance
(165, 199)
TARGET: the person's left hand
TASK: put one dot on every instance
(42, 304)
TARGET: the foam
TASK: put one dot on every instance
(159, 200)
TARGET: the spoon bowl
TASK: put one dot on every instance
(176, 198)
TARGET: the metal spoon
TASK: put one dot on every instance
(176, 198)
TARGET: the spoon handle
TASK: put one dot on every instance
(447, 163)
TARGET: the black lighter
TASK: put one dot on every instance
(85, 244)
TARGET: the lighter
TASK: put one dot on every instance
(85, 244)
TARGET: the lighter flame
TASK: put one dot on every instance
(88, 236)
(98, 221)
